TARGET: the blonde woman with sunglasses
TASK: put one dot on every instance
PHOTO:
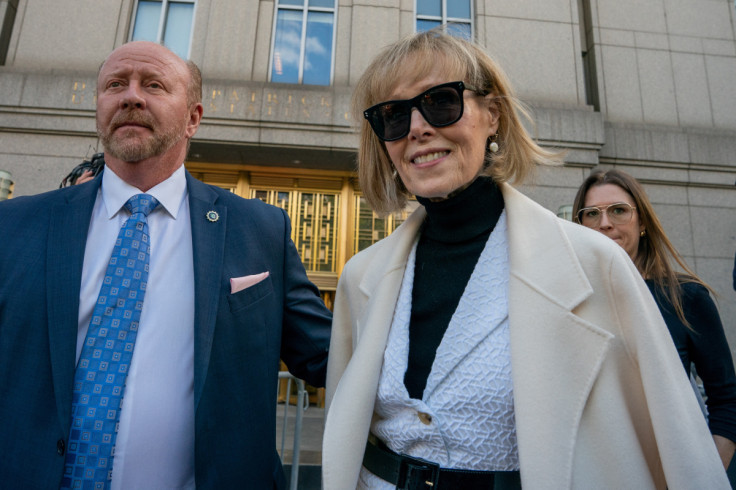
(487, 343)
(616, 205)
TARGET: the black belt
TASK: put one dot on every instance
(409, 473)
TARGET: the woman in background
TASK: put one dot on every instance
(615, 204)
(487, 343)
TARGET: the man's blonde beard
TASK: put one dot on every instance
(133, 150)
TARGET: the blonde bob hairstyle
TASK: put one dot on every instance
(656, 257)
(412, 59)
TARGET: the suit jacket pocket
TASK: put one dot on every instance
(248, 296)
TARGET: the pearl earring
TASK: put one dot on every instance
(493, 146)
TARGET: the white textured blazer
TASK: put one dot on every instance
(600, 397)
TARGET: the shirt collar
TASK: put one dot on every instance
(170, 193)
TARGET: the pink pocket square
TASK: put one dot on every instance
(240, 283)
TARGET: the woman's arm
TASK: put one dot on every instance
(709, 351)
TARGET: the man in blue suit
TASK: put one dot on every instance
(226, 298)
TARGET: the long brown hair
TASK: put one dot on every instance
(656, 256)
(517, 154)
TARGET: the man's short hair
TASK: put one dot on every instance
(194, 89)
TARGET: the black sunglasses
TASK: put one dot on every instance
(440, 106)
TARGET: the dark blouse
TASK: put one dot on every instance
(452, 238)
(705, 346)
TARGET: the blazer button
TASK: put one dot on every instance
(425, 418)
(60, 447)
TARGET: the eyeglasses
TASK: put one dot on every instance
(619, 213)
(440, 106)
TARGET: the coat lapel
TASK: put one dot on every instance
(555, 354)
(381, 287)
(208, 245)
(349, 416)
(69, 224)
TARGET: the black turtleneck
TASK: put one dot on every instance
(452, 239)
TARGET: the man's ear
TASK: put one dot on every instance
(195, 118)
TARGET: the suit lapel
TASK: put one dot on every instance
(69, 224)
(555, 354)
(208, 245)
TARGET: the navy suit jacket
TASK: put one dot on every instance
(239, 338)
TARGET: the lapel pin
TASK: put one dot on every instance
(212, 216)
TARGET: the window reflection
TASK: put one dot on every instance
(456, 14)
(178, 28)
(425, 25)
(429, 7)
(318, 49)
(303, 42)
(146, 21)
(173, 30)
(322, 3)
(458, 9)
(287, 47)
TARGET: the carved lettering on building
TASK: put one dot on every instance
(230, 101)
(81, 92)
(308, 107)
(271, 104)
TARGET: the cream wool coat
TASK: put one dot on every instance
(600, 397)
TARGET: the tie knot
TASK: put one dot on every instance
(141, 203)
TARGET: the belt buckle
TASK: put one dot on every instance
(417, 474)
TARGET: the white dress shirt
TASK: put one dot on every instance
(155, 441)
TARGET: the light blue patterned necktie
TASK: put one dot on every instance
(99, 379)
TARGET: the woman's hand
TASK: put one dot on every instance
(86, 176)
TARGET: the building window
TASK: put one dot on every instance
(303, 42)
(456, 14)
(164, 21)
